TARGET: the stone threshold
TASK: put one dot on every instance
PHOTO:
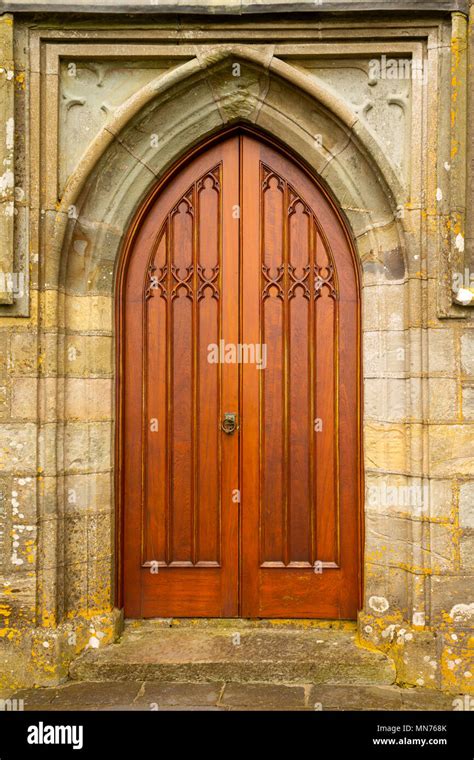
(237, 651)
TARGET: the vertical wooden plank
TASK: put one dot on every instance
(209, 301)
(307, 383)
(250, 303)
(155, 423)
(190, 469)
(229, 444)
(326, 404)
(272, 240)
(299, 412)
(182, 464)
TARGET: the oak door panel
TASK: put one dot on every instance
(300, 467)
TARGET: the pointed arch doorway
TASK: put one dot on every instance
(239, 461)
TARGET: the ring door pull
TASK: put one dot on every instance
(230, 423)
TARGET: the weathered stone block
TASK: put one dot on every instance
(24, 398)
(385, 399)
(451, 450)
(441, 500)
(444, 547)
(467, 352)
(88, 355)
(443, 399)
(88, 447)
(18, 448)
(382, 307)
(23, 353)
(441, 356)
(468, 403)
(88, 399)
(467, 551)
(87, 313)
(466, 505)
(88, 492)
(416, 659)
(452, 601)
(100, 536)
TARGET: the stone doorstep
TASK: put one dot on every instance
(235, 653)
(162, 696)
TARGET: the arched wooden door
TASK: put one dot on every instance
(239, 307)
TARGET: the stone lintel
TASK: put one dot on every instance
(235, 7)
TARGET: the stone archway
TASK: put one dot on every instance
(142, 140)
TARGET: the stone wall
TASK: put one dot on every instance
(102, 108)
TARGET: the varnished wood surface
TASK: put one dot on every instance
(241, 245)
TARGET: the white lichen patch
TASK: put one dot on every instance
(463, 296)
(7, 181)
(378, 603)
(439, 194)
(459, 242)
(10, 128)
(15, 559)
(462, 613)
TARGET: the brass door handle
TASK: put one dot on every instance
(230, 423)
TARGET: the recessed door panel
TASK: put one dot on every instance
(181, 526)
(300, 452)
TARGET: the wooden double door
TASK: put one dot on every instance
(239, 393)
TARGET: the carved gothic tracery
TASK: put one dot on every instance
(324, 277)
(273, 282)
(284, 281)
(195, 280)
(298, 282)
(208, 282)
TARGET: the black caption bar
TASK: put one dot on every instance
(377, 734)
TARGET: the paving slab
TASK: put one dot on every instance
(160, 696)
(263, 696)
(374, 697)
(80, 695)
(173, 694)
